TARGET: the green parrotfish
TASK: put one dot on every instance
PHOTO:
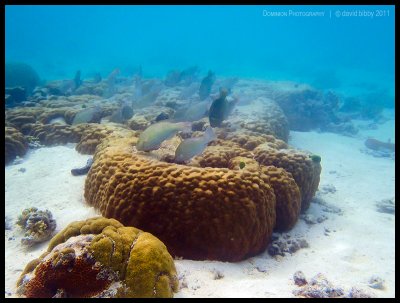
(191, 147)
(152, 137)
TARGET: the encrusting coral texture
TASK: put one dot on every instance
(100, 257)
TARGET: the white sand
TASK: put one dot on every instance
(361, 242)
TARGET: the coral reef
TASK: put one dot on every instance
(138, 122)
(14, 96)
(14, 144)
(287, 193)
(320, 287)
(174, 203)
(307, 108)
(304, 170)
(100, 257)
(288, 198)
(38, 225)
(21, 74)
(247, 175)
(93, 134)
(283, 243)
(219, 156)
(51, 134)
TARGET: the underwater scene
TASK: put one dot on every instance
(199, 151)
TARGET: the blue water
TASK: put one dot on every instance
(244, 41)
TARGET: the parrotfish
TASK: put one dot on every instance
(379, 145)
(220, 109)
(206, 84)
(152, 137)
(122, 114)
(89, 115)
(191, 147)
(196, 111)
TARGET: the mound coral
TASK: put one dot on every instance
(304, 170)
(194, 211)
(288, 197)
(51, 134)
(93, 134)
(100, 257)
(219, 155)
(38, 225)
(21, 74)
(14, 144)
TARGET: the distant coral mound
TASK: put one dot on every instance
(21, 74)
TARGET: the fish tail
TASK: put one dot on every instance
(209, 134)
(186, 126)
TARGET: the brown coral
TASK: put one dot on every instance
(14, 144)
(305, 172)
(219, 155)
(100, 257)
(288, 198)
(287, 193)
(93, 134)
(138, 122)
(50, 134)
(200, 213)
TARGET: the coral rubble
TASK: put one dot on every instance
(38, 225)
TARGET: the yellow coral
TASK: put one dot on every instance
(100, 257)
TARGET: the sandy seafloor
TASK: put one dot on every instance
(360, 241)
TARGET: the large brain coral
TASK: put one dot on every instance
(199, 213)
(100, 257)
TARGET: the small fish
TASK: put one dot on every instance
(77, 80)
(111, 77)
(152, 137)
(146, 100)
(220, 109)
(379, 145)
(122, 114)
(89, 115)
(191, 147)
(197, 111)
(206, 84)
